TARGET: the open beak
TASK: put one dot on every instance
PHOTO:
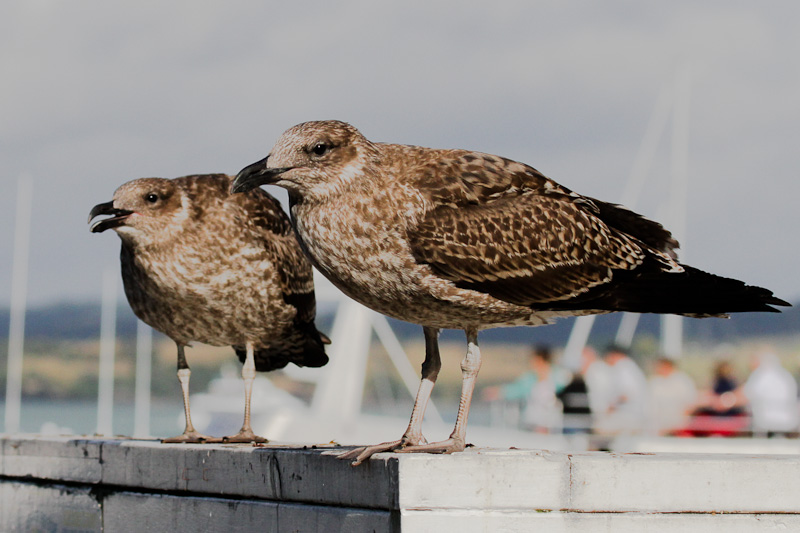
(254, 175)
(117, 218)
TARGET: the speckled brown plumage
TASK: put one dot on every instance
(452, 238)
(459, 239)
(200, 264)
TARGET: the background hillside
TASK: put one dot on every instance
(61, 347)
(81, 321)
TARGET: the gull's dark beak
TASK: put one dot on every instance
(254, 175)
(118, 217)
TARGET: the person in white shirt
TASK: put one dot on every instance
(599, 386)
(628, 406)
(772, 393)
(673, 395)
(543, 411)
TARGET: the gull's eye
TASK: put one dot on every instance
(151, 198)
(320, 149)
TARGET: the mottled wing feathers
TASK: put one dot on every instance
(643, 229)
(264, 213)
(527, 249)
(258, 218)
(504, 229)
(270, 225)
(459, 177)
(301, 344)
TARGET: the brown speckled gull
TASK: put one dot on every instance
(200, 264)
(466, 240)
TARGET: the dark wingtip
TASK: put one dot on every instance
(777, 301)
(303, 346)
(768, 300)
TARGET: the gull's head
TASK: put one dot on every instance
(310, 160)
(141, 207)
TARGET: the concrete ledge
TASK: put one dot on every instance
(88, 484)
(126, 511)
(65, 459)
(287, 474)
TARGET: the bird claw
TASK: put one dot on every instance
(244, 436)
(363, 453)
(451, 445)
(191, 437)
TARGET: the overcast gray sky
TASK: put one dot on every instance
(95, 93)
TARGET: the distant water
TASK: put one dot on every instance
(79, 417)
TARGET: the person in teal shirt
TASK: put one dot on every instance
(540, 367)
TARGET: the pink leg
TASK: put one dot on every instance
(248, 376)
(470, 366)
(413, 435)
(189, 434)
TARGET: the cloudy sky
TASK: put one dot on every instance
(95, 93)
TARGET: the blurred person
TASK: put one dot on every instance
(724, 378)
(720, 411)
(722, 399)
(599, 382)
(543, 411)
(510, 399)
(772, 394)
(519, 389)
(673, 396)
(724, 389)
(587, 394)
(627, 410)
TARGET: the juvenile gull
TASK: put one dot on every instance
(466, 240)
(200, 264)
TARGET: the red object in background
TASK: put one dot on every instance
(710, 423)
